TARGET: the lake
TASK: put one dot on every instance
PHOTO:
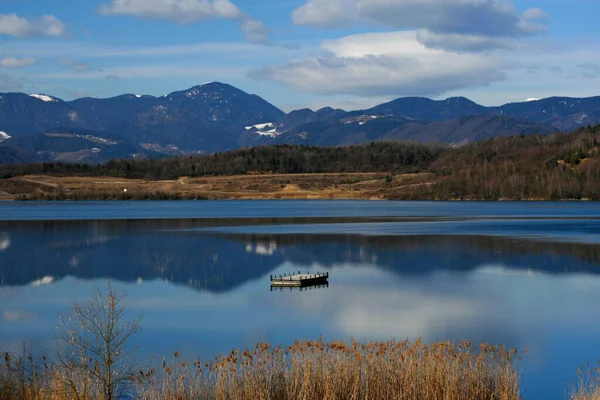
(522, 274)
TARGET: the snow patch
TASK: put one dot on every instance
(532, 99)
(73, 116)
(581, 119)
(266, 129)
(361, 119)
(43, 97)
(192, 93)
(138, 95)
(4, 136)
(259, 126)
(94, 139)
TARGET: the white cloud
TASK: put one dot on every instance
(49, 25)
(149, 72)
(488, 17)
(464, 43)
(255, 30)
(325, 13)
(187, 12)
(465, 25)
(178, 11)
(46, 25)
(13, 62)
(382, 64)
(11, 24)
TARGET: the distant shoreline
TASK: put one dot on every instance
(330, 186)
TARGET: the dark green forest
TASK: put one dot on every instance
(552, 167)
(285, 159)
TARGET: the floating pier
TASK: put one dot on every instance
(299, 279)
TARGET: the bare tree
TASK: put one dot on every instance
(92, 361)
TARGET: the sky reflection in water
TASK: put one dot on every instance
(204, 293)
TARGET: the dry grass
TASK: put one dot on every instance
(259, 186)
(588, 385)
(307, 370)
(337, 370)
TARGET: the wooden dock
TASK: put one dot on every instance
(299, 279)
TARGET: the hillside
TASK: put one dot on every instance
(366, 128)
(215, 117)
(542, 167)
(9, 155)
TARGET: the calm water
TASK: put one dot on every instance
(523, 274)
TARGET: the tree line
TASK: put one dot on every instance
(285, 159)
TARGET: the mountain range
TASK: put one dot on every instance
(215, 117)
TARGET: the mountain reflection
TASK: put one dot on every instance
(43, 252)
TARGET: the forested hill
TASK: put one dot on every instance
(557, 166)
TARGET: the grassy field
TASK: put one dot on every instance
(375, 186)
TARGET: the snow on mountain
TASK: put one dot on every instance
(266, 129)
(361, 119)
(43, 97)
(4, 136)
(532, 99)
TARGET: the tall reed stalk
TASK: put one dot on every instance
(306, 370)
(337, 370)
(588, 384)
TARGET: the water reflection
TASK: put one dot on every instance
(205, 293)
(42, 253)
(304, 288)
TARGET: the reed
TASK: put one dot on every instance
(588, 383)
(306, 370)
(338, 370)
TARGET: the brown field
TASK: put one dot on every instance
(373, 186)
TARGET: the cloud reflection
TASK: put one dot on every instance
(4, 241)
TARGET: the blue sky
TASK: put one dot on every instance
(303, 53)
